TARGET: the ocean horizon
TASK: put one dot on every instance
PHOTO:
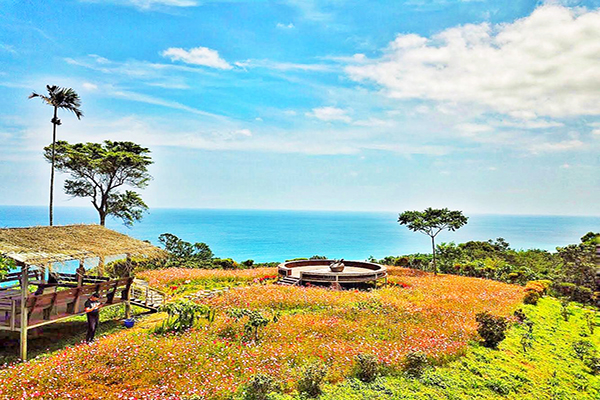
(277, 235)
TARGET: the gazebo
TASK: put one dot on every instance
(34, 250)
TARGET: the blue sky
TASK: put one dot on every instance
(483, 106)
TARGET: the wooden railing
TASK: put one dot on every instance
(47, 307)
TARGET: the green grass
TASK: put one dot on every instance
(550, 369)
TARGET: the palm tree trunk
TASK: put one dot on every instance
(54, 120)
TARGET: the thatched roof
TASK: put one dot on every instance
(47, 244)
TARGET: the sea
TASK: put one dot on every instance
(278, 235)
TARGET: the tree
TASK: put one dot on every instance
(185, 254)
(65, 99)
(431, 222)
(98, 170)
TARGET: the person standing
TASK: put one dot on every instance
(92, 311)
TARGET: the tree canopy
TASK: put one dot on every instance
(99, 170)
(431, 222)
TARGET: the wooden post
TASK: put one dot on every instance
(100, 266)
(128, 301)
(24, 314)
(80, 272)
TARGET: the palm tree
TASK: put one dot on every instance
(66, 99)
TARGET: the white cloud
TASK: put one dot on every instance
(285, 26)
(148, 4)
(89, 86)
(531, 124)
(284, 66)
(596, 132)
(565, 166)
(243, 132)
(329, 114)
(543, 65)
(197, 56)
(565, 145)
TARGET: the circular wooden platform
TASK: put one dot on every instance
(317, 271)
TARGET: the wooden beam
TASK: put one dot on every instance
(24, 314)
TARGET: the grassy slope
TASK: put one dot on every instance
(549, 370)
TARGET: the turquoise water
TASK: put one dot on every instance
(279, 235)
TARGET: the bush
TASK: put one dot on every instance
(531, 297)
(582, 294)
(259, 386)
(593, 363)
(311, 380)
(491, 328)
(520, 315)
(416, 363)
(540, 287)
(366, 367)
(182, 315)
(583, 349)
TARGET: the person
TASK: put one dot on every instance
(92, 307)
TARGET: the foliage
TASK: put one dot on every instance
(61, 98)
(491, 328)
(531, 297)
(435, 315)
(133, 266)
(185, 254)
(431, 222)
(549, 370)
(6, 265)
(254, 322)
(259, 386)
(99, 170)
(311, 380)
(579, 265)
(366, 367)
(181, 315)
(416, 364)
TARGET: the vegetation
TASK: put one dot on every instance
(431, 314)
(64, 99)
(549, 369)
(99, 170)
(569, 272)
(6, 264)
(431, 222)
(491, 328)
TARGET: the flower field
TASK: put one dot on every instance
(189, 276)
(434, 314)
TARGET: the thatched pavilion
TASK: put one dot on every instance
(34, 251)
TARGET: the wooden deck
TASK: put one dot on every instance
(51, 307)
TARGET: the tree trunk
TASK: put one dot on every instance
(54, 120)
(102, 218)
(433, 248)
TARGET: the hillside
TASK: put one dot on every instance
(263, 328)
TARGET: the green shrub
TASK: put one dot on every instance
(259, 386)
(254, 322)
(582, 294)
(583, 349)
(416, 363)
(531, 297)
(491, 328)
(182, 315)
(366, 367)
(520, 315)
(593, 363)
(311, 380)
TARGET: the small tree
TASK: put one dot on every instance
(431, 222)
(98, 170)
(64, 99)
